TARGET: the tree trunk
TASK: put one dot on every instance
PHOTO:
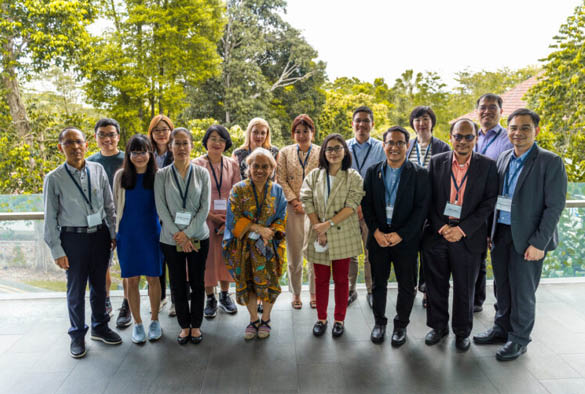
(10, 82)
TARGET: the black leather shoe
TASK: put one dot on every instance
(510, 351)
(77, 348)
(370, 298)
(107, 336)
(399, 337)
(319, 328)
(352, 297)
(477, 308)
(124, 316)
(337, 330)
(378, 333)
(183, 340)
(196, 340)
(489, 337)
(462, 343)
(435, 336)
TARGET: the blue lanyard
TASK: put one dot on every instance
(394, 184)
(87, 200)
(458, 187)
(509, 179)
(259, 205)
(418, 154)
(217, 184)
(183, 196)
(357, 162)
(486, 146)
(306, 158)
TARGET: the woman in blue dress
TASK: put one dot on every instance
(138, 231)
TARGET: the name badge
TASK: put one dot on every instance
(183, 218)
(504, 203)
(452, 210)
(95, 219)
(252, 235)
(219, 205)
(389, 211)
(319, 248)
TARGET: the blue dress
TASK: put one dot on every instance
(138, 234)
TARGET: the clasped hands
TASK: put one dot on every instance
(219, 220)
(184, 242)
(321, 230)
(387, 239)
(451, 234)
(266, 233)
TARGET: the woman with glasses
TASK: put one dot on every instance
(330, 196)
(224, 173)
(257, 135)
(294, 163)
(253, 240)
(138, 232)
(182, 193)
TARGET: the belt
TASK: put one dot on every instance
(83, 230)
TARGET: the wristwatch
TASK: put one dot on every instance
(331, 223)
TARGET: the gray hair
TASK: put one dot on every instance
(259, 152)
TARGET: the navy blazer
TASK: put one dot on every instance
(479, 200)
(437, 146)
(538, 200)
(410, 208)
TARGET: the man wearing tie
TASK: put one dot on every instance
(532, 193)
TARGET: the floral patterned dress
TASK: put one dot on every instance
(253, 266)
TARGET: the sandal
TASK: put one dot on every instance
(264, 329)
(298, 304)
(313, 304)
(251, 330)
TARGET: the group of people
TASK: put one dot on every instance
(219, 219)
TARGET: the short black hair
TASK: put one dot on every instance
(525, 111)
(66, 129)
(423, 110)
(177, 130)
(396, 128)
(490, 97)
(223, 133)
(363, 108)
(323, 163)
(475, 126)
(104, 122)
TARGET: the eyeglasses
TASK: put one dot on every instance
(217, 140)
(179, 144)
(336, 149)
(492, 107)
(358, 121)
(400, 144)
(138, 153)
(264, 167)
(72, 142)
(459, 137)
(103, 136)
(161, 131)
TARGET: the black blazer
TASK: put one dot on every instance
(412, 200)
(437, 146)
(538, 201)
(479, 200)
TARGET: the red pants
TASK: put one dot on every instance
(340, 278)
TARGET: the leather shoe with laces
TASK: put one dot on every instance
(378, 333)
(399, 336)
(462, 343)
(77, 348)
(510, 351)
(489, 337)
(319, 328)
(434, 336)
(337, 330)
(107, 336)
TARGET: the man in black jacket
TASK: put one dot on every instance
(394, 208)
(464, 191)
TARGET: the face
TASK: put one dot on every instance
(161, 133)
(334, 152)
(423, 126)
(463, 138)
(181, 146)
(107, 139)
(302, 135)
(215, 143)
(258, 135)
(395, 147)
(488, 113)
(260, 169)
(73, 145)
(522, 132)
(362, 125)
(140, 160)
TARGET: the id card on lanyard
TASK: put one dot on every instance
(219, 204)
(303, 164)
(390, 190)
(183, 218)
(504, 202)
(454, 210)
(259, 206)
(95, 218)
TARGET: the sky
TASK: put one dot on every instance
(369, 39)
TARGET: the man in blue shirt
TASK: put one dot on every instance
(365, 152)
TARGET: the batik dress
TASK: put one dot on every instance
(253, 266)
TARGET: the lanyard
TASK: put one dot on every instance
(306, 158)
(486, 146)
(357, 162)
(458, 187)
(217, 184)
(259, 205)
(394, 184)
(509, 179)
(87, 200)
(328, 185)
(418, 154)
(183, 196)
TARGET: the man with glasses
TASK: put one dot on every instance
(365, 152)
(394, 222)
(80, 232)
(464, 188)
(492, 140)
(107, 136)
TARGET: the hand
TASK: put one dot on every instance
(297, 206)
(489, 242)
(533, 254)
(452, 234)
(221, 229)
(381, 238)
(187, 246)
(266, 233)
(393, 238)
(113, 244)
(322, 239)
(180, 238)
(217, 218)
(62, 262)
(321, 228)
(360, 213)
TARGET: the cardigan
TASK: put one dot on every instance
(289, 173)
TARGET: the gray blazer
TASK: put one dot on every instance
(538, 201)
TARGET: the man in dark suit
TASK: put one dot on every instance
(464, 191)
(394, 208)
(533, 188)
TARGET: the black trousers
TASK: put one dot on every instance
(442, 260)
(480, 283)
(517, 281)
(405, 267)
(89, 257)
(179, 263)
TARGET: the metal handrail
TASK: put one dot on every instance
(12, 216)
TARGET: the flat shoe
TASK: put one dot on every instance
(196, 340)
(319, 328)
(337, 329)
(183, 340)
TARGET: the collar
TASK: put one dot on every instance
(524, 155)
(454, 161)
(71, 168)
(494, 130)
(367, 143)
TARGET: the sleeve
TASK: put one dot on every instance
(236, 223)
(368, 209)
(486, 207)
(160, 200)
(279, 224)
(108, 203)
(355, 190)
(200, 216)
(307, 192)
(420, 207)
(117, 185)
(282, 177)
(52, 234)
(436, 220)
